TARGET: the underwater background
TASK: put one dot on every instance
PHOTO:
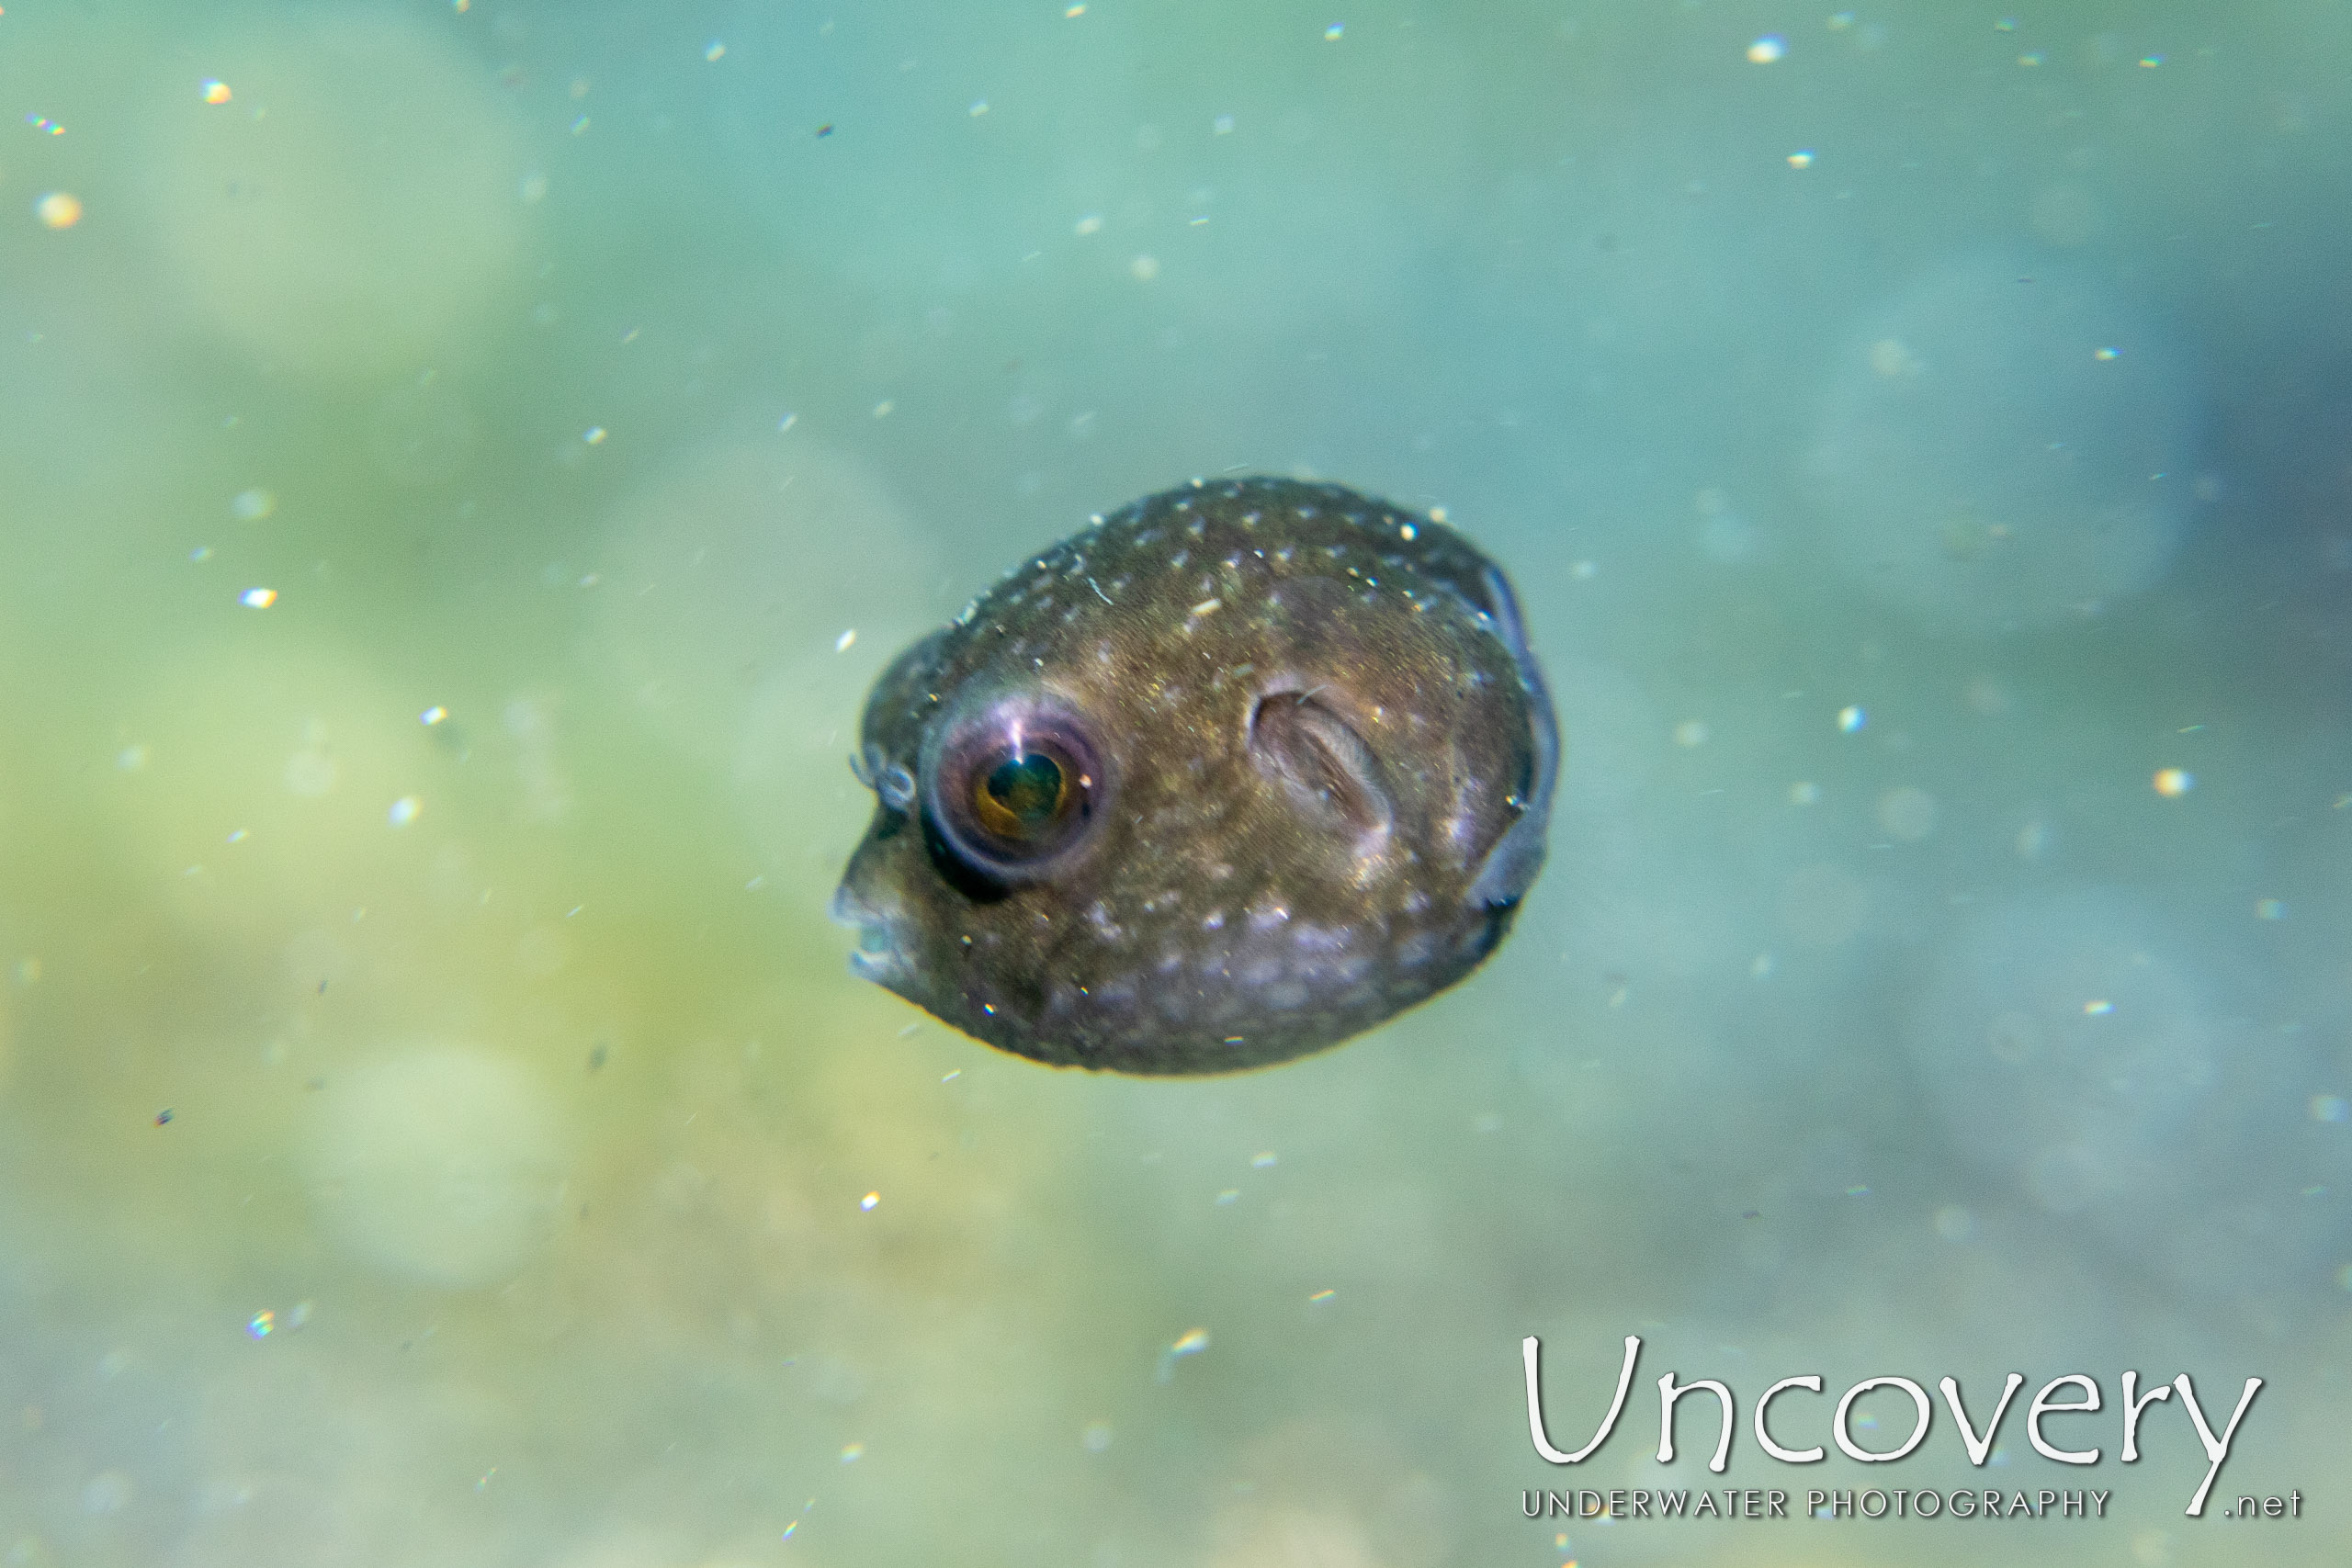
(462, 464)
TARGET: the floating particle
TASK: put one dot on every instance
(1333, 33)
(59, 209)
(42, 122)
(953, 1076)
(853, 1452)
(1804, 794)
(131, 758)
(883, 409)
(258, 598)
(1321, 1296)
(2098, 1008)
(1801, 159)
(164, 1117)
(238, 837)
(2269, 909)
(1768, 49)
(261, 1323)
(1838, 24)
(434, 714)
(1144, 268)
(979, 106)
(2325, 1108)
(1096, 1437)
(869, 1201)
(200, 554)
(714, 50)
(1760, 968)
(1221, 125)
(1851, 717)
(2031, 58)
(2150, 62)
(1584, 571)
(2005, 25)
(1262, 1162)
(1192, 1342)
(593, 435)
(298, 1317)
(1074, 12)
(1691, 732)
(1231, 1195)
(252, 505)
(2173, 783)
(1090, 224)
(216, 91)
(404, 811)
(580, 126)
(824, 130)
(841, 643)
(1857, 1192)
(2105, 353)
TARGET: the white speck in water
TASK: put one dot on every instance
(258, 598)
(841, 643)
(714, 50)
(404, 811)
(1192, 1342)
(252, 505)
(869, 1201)
(1096, 1437)
(1768, 49)
(1851, 718)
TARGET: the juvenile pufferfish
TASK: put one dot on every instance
(1225, 778)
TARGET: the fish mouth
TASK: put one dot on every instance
(877, 956)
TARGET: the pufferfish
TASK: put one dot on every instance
(1229, 776)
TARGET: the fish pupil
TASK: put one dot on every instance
(1027, 788)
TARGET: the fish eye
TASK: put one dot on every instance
(1014, 791)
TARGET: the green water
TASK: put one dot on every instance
(456, 486)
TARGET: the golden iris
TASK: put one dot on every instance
(1021, 796)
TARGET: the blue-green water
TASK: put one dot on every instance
(460, 467)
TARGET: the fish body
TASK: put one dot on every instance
(1228, 777)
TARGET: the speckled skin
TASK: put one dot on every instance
(1220, 913)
